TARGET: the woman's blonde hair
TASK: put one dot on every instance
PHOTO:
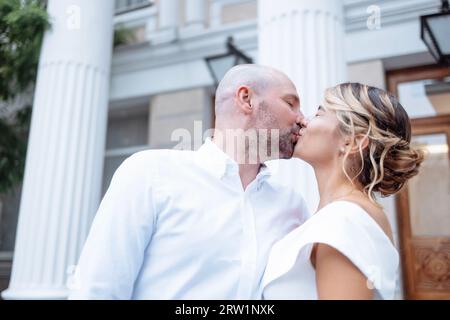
(388, 161)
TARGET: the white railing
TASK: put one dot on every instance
(154, 26)
(217, 8)
(124, 6)
(143, 20)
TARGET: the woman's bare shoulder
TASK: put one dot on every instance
(375, 212)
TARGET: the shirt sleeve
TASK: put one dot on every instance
(122, 228)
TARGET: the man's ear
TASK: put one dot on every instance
(244, 99)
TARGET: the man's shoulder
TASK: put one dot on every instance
(145, 164)
(156, 159)
(159, 155)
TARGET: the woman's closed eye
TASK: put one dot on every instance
(320, 111)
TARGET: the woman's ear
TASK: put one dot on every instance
(244, 99)
(361, 143)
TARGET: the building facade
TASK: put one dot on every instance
(94, 107)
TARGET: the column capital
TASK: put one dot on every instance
(269, 10)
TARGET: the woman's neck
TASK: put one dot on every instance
(333, 184)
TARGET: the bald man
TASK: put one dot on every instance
(199, 224)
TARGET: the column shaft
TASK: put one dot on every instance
(304, 39)
(64, 163)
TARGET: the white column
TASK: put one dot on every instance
(304, 39)
(195, 16)
(64, 163)
(169, 21)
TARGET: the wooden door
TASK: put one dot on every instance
(423, 207)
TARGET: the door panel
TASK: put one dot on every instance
(425, 214)
(431, 188)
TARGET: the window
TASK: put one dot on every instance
(128, 133)
(129, 130)
(425, 97)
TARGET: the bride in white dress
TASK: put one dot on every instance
(359, 146)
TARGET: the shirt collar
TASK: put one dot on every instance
(213, 159)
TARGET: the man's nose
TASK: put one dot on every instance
(301, 119)
(303, 122)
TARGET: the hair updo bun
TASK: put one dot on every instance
(388, 161)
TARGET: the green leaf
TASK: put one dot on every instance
(22, 26)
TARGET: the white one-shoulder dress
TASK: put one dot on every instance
(348, 228)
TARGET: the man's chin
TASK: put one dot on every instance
(287, 154)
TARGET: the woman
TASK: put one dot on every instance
(359, 145)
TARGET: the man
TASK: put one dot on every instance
(199, 225)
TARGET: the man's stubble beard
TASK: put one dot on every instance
(285, 144)
(284, 137)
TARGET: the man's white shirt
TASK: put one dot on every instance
(179, 225)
